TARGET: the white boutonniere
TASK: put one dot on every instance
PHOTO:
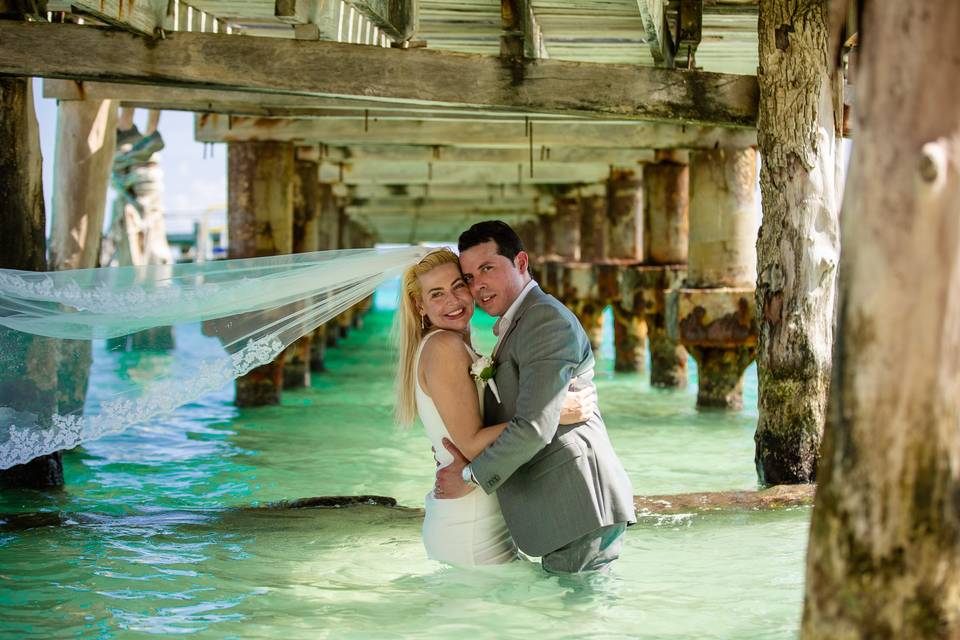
(482, 370)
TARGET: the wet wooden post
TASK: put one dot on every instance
(561, 239)
(28, 370)
(799, 245)
(364, 240)
(260, 223)
(883, 559)
(625, 213)
(86, 138)
(327, 238)
(576, 281)
(531, 237)
(351, 237)
(715, 311)
(666, 238)
(306, 239)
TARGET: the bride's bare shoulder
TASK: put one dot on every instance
(444, 345)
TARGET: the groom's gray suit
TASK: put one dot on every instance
(555, 483)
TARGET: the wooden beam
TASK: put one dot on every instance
(399, 19)
(578, 133)
(470, 192)
(276, 105)
(445, 208)
(414, 228)
(141, 17)
(372, 172)
(335, 69)
(439, 154)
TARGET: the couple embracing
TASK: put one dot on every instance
(524, 460)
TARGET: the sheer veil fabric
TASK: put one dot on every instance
(256, 307)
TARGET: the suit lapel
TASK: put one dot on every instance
(532, 296)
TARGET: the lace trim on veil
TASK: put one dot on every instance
(261, 305)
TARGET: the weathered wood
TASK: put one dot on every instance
(723, 218)
(141, 17)
(717, 325)
(566, 228)
(629, 340)
(447, 172)
(469, 192)
(82, 161)
(784, 497)
(615, 135)
(260, 223)
(667, 222)
(433, 208)
(513, 156)
(643, 291)
(594, 238)
(883, 559)
(799, 245)
(625, 216)
(320, 12)
(306, 238)
(28, 364)
(399, 19)
(229, 102)
(778, 497)
(335, 69)
(522, 37)
(654, 14)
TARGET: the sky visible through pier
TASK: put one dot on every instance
(193, 185)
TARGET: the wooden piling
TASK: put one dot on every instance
(28, 367)
(260, 223)
(716, 318)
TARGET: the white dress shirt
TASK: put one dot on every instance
(503, 322)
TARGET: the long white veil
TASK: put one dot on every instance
(256, 307)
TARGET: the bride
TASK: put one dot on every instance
(434, 382)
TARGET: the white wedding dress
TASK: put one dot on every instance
(462, 531)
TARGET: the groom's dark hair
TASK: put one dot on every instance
(508, 242)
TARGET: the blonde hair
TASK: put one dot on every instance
(408, 333)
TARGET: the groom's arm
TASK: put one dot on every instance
(547, 358)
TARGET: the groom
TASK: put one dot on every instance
(563, 492)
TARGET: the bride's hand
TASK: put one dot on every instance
(449, 483)
(579, 406)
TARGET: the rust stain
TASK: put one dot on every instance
(733, 329)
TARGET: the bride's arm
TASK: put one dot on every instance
(446, 371)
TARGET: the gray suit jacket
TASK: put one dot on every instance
(555, 484)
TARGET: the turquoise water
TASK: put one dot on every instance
(160, 537)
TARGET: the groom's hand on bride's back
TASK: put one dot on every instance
(579, 406)
(450, 482)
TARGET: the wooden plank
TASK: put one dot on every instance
(522, 36)
(621, 135)
(653, 13)
(144, 17)
(295, 11)
(335, 69)
(399, 19)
